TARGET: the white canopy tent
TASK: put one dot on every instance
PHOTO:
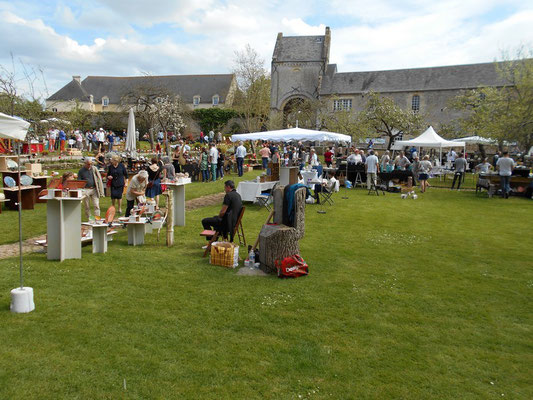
(15, 128)
(293, 134)
(429, 138)
(475, 140)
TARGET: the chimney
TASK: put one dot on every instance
(76, 78)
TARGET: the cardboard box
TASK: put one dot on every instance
(33, 169)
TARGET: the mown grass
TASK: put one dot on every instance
(405, 299)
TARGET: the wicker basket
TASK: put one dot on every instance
(225, 254)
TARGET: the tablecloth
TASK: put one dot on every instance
(249, 190)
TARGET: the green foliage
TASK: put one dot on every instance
(115, 121)
(80, 118)
(504, 113)
(213, 118)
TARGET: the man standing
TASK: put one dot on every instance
(240, 153)
(94, 189)
(403, 161)
(505, 165)
(62, 139)
(371, 169)
(213, 160)
(226, 219)
(101, 139)
(460, 169)
(451, 156)
(110, 140)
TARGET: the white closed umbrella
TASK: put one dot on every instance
(131, 143)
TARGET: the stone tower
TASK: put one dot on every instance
(298, 66)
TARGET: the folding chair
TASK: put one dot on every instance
(325, 197)
(265, 198)
(375, 188)
(237, 229)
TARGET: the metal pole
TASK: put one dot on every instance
(20, 216)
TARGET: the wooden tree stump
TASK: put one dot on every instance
(279, 241)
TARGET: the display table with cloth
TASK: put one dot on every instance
(178, 195)
(249, 190)
(63, 227)
(518, 184)
(400, 175)
(309, 176)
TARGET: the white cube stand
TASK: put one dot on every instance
(178, 193)
(136, 232)
(22, 300)
(63, 216)
(100, 238)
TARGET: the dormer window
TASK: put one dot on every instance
(216, 99)
(105, 101)
(196, 100)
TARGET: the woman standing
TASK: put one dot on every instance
(424, 167)
(118, 175)
(220, 164)
(176, 158)
(204, 165)
(153, 189)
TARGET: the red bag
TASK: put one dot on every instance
(292, 267)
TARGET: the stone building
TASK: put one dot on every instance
(108, 93)
(301, 71)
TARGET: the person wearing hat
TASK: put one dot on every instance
(94, 188)
(153, 188)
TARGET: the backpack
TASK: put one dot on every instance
(292, 267)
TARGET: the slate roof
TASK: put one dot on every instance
(187, 86)
(72, 90)
(414, 79)
(299, 48)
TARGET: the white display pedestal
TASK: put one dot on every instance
(22, 300)
(136, 232)
(178, 193)
(63, 218)
(100, 238)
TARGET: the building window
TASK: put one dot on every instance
(54, 109)
(415, 103)
(196, 100)
(342, 104)
(215, 100)
(105, 101)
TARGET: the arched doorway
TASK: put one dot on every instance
(301, 110)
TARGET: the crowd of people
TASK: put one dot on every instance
(91, 140)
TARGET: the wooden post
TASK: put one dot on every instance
(170, 218)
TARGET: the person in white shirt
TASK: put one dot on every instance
(451, 156)
(240, 153)
(313, 158)
(403, 161)
(424, 167)
(328, 186)
(213, 160)
(505, 167)
(484, 167)
(371, 169)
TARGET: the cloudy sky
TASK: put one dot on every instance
(130, 37)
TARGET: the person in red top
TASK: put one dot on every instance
(265, 154)
(67, 176)
(328, 157)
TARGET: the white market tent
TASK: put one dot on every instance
(429, 138)
(293, 134)
(475, 140)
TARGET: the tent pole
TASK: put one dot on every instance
(20, 215)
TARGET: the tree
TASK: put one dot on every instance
(252, 99)
(213, 118)
(381, 116)
(504, 113)
(167, 114)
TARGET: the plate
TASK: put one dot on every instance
(26, 180)
(110, 214)
(12, 165)
(9, 181)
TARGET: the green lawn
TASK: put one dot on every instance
(406, 299)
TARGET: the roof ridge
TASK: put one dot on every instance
(154, 76)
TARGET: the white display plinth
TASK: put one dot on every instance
(22, 300)
(63, 218)
(136, 232)
(178, 193)
(100, 238)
